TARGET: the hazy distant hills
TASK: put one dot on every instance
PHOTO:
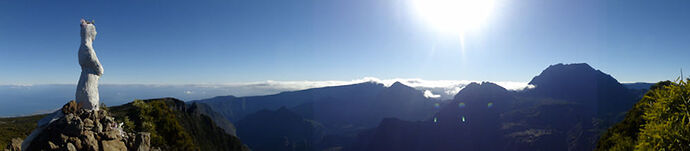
(638, 85)
(32, 99)
(18, 99)
(567, 109)
(340, 111)
(340, 108)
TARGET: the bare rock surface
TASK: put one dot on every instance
(15, 145)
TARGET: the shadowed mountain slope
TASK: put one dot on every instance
(567, 110)
(583, 84)
(279, 130)
(341, 109)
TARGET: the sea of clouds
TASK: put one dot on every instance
(32, 99)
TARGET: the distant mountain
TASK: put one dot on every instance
(570, 105)
(568, 108)
(583, 84)
(20, 100)
(340, 109)
(470, 121)
(638, 85)
(236, 108)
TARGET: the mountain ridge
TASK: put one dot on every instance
(549, 116)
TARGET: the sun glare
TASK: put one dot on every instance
(455, 16)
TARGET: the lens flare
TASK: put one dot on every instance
(461, 104)
(490, 104)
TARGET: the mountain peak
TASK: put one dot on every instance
(398, 84)
(570, 72)
(484, 89)
(576, 82)
(400, 87)
(583, 66)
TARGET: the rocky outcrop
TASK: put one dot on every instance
(81, 129)
(15, 145)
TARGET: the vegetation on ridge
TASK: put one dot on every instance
(17, 127)
(660, 121)
(175, 125)
(158, 119)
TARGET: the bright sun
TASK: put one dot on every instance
(455, 16)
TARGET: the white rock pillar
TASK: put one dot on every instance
(91, 69)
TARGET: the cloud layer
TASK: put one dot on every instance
(442, 89)
(28, 99)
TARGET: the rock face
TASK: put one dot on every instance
(91, 69)
(91, 130)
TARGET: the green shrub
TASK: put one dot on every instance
(159, 119)
(668, 119)
(659, 121)
(17, 127)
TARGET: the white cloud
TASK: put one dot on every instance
(453, 90)
(444, 89)
(428, 94)
(515, 86)
(441, 89)
(115, 94)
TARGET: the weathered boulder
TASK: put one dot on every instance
(70, 107)
(15, 145)
(71, 147)
(113, 145)
(143, 141)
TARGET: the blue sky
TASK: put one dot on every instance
(185, 42)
